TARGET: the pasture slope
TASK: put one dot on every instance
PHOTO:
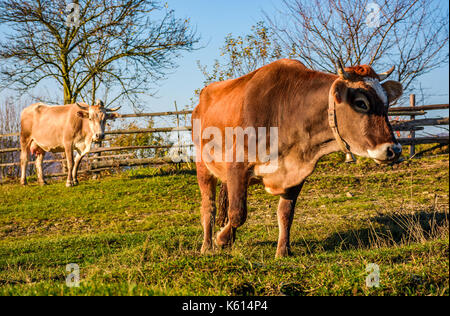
(138, 233)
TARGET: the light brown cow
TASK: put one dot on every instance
(314, 113)
(61, 129)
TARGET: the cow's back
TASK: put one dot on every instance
(251, 100)
(221, 102)
(46, 125)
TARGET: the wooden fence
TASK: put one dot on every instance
(98, 160)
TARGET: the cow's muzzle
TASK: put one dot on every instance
(98, 137)
(386, 153)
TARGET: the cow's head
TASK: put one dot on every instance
(97, 115)
(361, 112)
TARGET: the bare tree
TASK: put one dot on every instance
(119, 47)
(243, 54)
(10, 109)
(411, 34)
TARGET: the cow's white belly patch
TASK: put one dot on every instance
(291, 172)
(47, 148)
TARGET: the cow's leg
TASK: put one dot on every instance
(69, 158)
(286, 209)
(78, 159)
(24, 154)
(207, 183)
(237, 185)
(40, 173)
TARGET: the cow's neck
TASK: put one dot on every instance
(86, 133)
(306, 139)
(320, 141)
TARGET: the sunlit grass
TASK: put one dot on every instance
(138, 233)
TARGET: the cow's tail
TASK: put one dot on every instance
(222, 211)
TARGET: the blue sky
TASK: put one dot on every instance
(214, 20)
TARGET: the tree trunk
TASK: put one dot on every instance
(68, 97)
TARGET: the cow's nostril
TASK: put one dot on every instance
(391, 153)
(394, 151)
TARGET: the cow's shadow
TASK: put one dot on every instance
(385, 230)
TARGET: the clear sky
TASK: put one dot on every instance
(214, 20)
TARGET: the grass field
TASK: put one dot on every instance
(139, 233)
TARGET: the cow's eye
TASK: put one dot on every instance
(362, 104)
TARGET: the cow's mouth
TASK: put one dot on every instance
(384, 162)
(387, 153)
(98, 138)
(396, 160)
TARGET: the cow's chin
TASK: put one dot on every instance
(384, 162)
(378, 160)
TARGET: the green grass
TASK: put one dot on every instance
(139, 233)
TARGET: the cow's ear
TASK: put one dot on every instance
(82, 114)
(339, 91)
(394, 90)
(113, 116)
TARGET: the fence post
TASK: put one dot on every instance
(412, 149)
(96, 175)
(178, 136)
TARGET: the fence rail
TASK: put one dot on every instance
(96, 162)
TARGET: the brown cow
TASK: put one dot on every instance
(314, 114)
(61, 129)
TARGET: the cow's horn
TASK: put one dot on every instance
(386, 74)
(114, 109)
(82, 107)
(99, 103)
(341, 71)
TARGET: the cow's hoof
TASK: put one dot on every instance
(207, 249)
(23, 184)
(69, 184)
(43, 183)
(75, 183)
(283, 253)
(224, 240)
